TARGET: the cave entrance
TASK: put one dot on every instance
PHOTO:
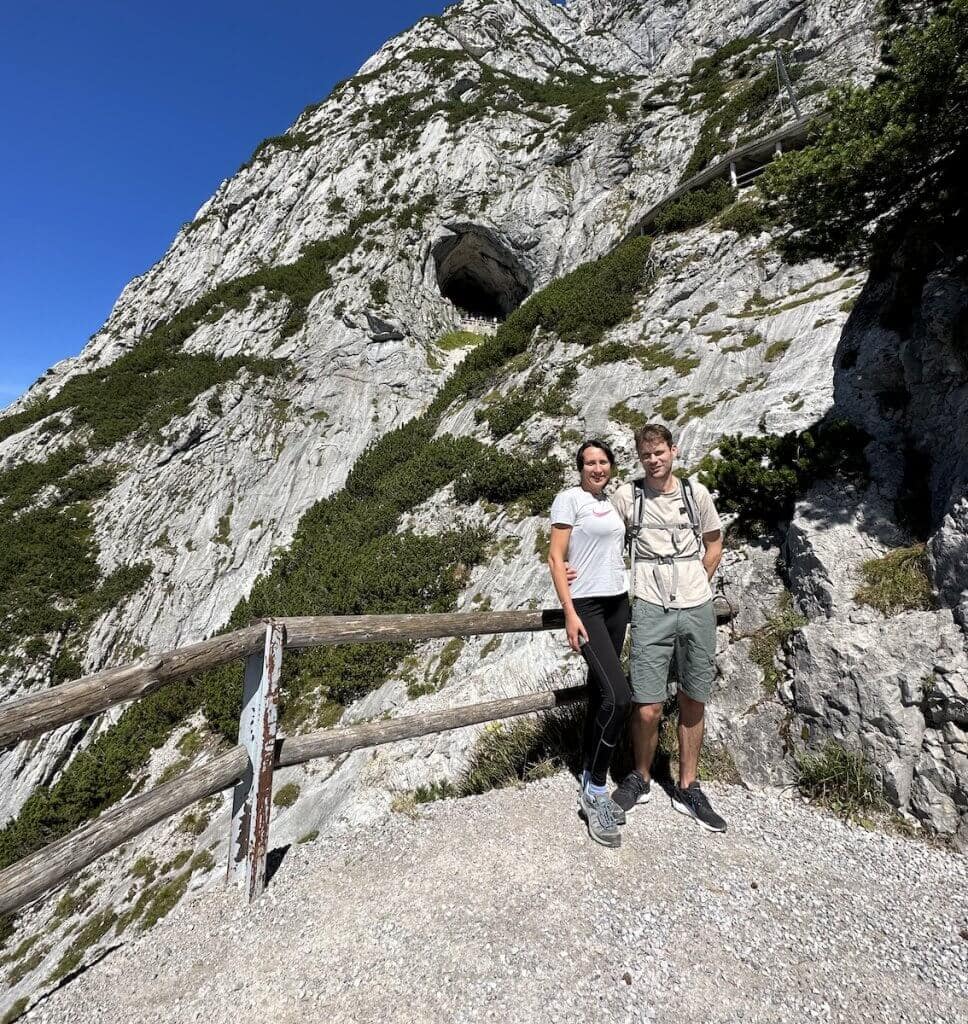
(478, 273)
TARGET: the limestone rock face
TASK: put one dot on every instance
(464, 196)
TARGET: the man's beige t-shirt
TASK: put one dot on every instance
(669, 510)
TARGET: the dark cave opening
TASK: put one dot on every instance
(478, 273)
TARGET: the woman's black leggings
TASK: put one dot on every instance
(609, 696)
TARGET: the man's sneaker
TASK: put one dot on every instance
(693, 801)
(633, 789)
(602, 826)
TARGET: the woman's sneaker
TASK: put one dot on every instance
(694, 802)
(597, 812)
(633, 789)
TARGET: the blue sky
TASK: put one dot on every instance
(119, 119)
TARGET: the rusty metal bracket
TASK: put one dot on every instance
(252, 797)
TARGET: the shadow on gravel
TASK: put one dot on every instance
(274, 860)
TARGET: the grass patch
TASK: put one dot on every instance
(92, 931)
(309, 836)
(15, 1011)
(25, 966)
(750, 341)
(668, 408)
(897, 582)
(840, 780)
(287, 795)
(767, 640)
(454, 340)
(632, 418)
(506, 755)
(163, 900)
(777, 349)
(745, 218)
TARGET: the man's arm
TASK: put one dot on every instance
(713, 544)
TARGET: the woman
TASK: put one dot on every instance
(588, 533)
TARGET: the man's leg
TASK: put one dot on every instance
(692, 714)
(653, 641)
(697, 637)
(644, 727)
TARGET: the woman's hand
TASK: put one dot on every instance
(574, 630)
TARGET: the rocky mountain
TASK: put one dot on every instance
(303, 407)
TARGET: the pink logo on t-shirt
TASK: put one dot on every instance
(600, 514)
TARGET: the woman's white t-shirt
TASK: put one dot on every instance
(596, 542)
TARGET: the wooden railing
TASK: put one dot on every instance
(248, 767)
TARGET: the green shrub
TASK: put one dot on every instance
(290, 141)
(898, 582)
(746, 105)
(443, 789)
(694, 208)
(745, 218)
(287, 795)
(414, 214)
(762, 477)
(378, 291)
(839, 779)
(492, 475)
(884, 166)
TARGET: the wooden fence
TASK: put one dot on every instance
(248, 767)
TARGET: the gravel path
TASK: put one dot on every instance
(499, 908)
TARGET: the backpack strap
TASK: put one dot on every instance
(692, 509)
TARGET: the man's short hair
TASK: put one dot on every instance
(653, 432)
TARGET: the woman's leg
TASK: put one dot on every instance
(606, 679)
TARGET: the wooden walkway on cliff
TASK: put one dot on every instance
(739, 166)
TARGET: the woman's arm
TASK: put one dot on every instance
(557, 556)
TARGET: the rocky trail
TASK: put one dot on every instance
(499, 908)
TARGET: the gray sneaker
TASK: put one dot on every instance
(618, 812)
(602, 826)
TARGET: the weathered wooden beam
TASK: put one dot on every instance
(25, 881)
(31, 877)
(252, 799)
(36, 713)
(298, 749)
(324, 631)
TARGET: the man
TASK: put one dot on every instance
(676, 547)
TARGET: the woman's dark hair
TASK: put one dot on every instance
(593, 443)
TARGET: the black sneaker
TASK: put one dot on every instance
(693, 801)
(633, 789)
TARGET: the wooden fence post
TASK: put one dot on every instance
(252, 797)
